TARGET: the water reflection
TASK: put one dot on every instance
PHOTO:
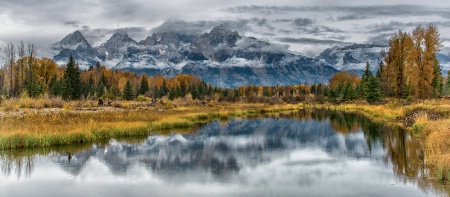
(306, 149)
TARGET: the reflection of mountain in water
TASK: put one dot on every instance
(220, 149)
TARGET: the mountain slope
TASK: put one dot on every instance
(75, 44)
(221, 57)
(116, 46)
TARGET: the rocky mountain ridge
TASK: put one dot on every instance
(221, 57)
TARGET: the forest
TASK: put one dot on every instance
(408, 69)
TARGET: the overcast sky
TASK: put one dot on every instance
(307, 26)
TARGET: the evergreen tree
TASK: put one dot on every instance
(128, 91)
(447, 84)
(35, 89)
(104, 81)
(100, 89)
(156, 93)
(373, 90)
(367, 74)
(172, 93)
(380, 71)
(56, 88)
(114, 92)
(365, 79)
(164, 89)
(144, 84)
(71, 84)
(91, 86)
(194, 91)
(437, 82)
(350, 93)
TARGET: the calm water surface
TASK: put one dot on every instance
(309, 153)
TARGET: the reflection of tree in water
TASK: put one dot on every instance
(22, 166)
(406, 156)
(344, 123)
(223, 149)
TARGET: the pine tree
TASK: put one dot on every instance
(91, 86)
(365, 79)
(373, 90)
(437, 82)
(144, 84)
(56, 88)
(350, 93)
(71, 84)
(128, 91)
(104, 80)
(164, 89)
(380, 70)
(447, 84)
(172, 93)
(100, 89)
(367, 74)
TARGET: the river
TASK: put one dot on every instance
(306, 153)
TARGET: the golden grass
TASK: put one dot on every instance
(435, 132)
(437, 143)
(83, 121)
(72, 126)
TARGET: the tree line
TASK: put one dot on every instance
(408, 69)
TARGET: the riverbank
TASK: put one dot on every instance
(84, 121)
(428, 120)
(29, 128)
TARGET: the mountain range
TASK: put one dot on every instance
(221, 57)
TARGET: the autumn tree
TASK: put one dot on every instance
(395, 64)
(422, 59)
(10, 54)
(30, 83)
(410, 66)
(438, 80)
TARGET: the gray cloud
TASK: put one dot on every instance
(285, 31)
(362, 11)
(318, 30)
(72, 23)
(351, 17)
(283, 20)
(393, 26)
(382, 38)
(200, 27)
(97, 36)
(301, 22)
(310, 41)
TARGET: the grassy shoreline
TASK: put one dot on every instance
(32, 129)
(428, 120)
(80, 123)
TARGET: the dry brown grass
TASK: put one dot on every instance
(72, 125)
(437, 143)
(431, 122)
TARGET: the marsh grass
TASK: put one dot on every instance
(431, 123)
(71, 126)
